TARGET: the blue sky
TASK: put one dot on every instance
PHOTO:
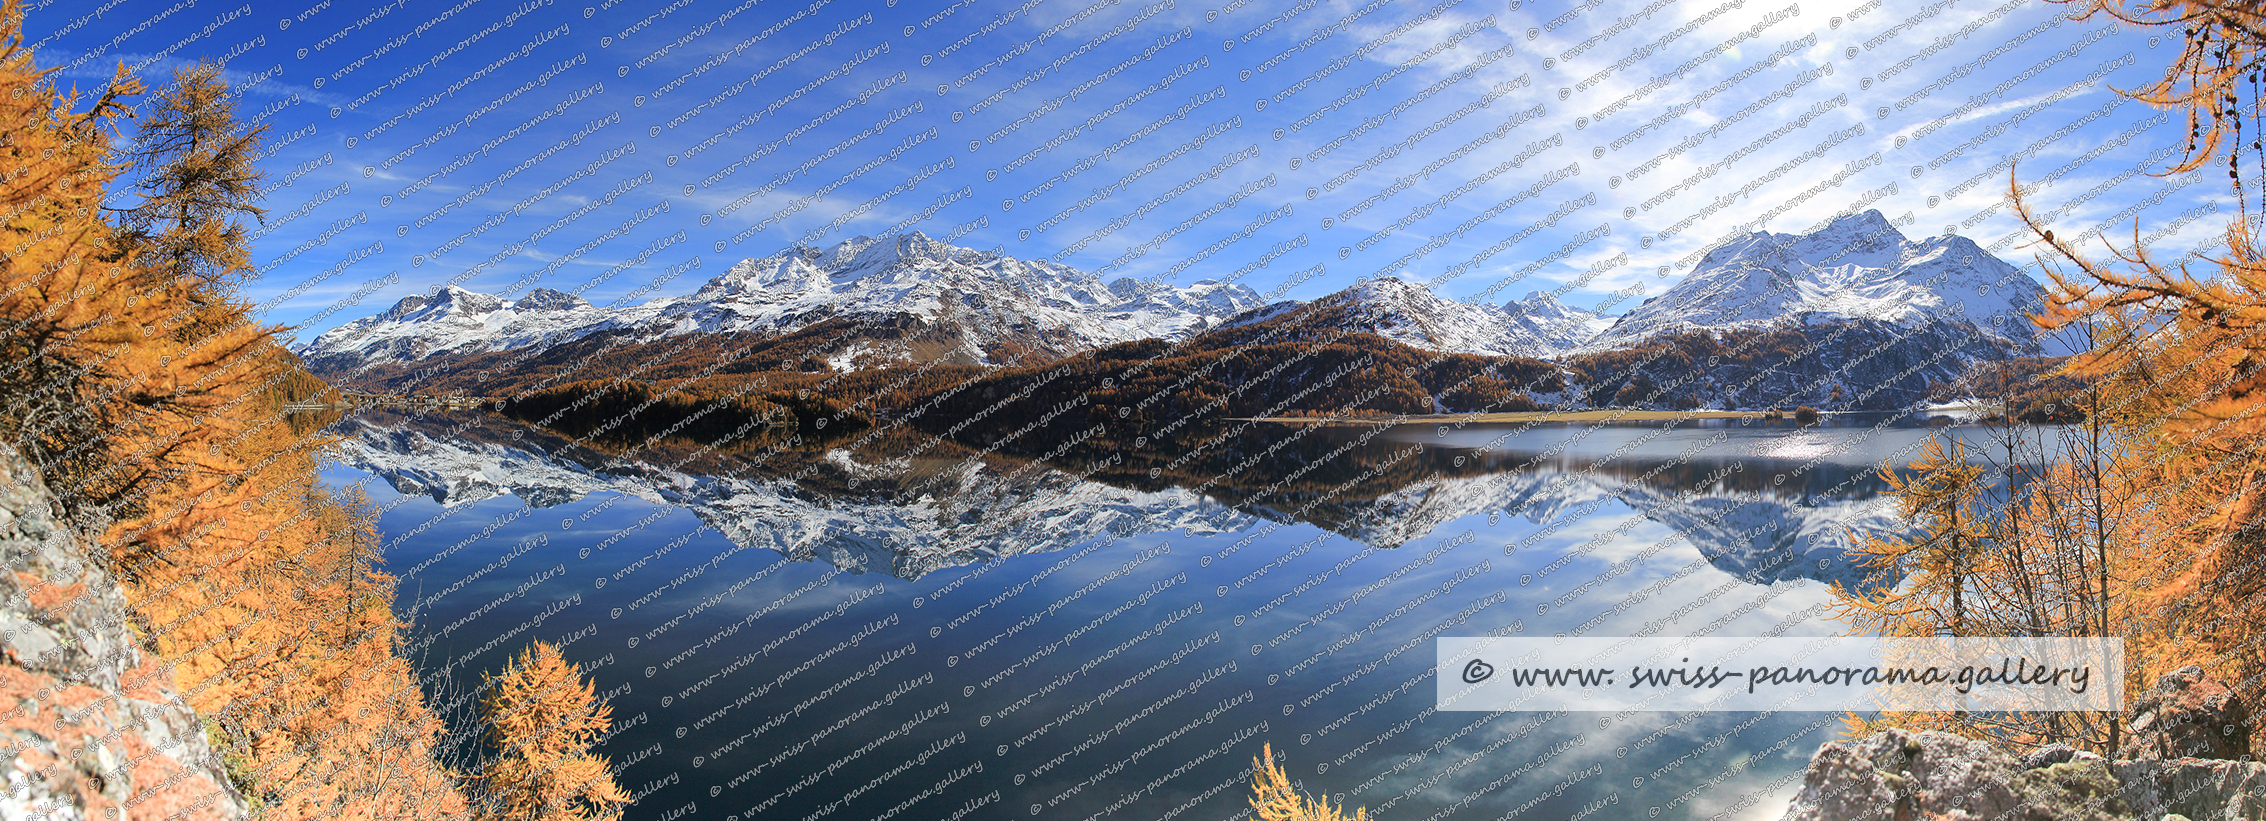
(1489, 148)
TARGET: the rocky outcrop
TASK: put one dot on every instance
(2188, 715)
(2194, 787)
(1897, 775)
(90, 727)
(2185, 731)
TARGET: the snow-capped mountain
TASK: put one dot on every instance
(1563, 326)
(997, 297)
(1857, 266)
(984, 304)
(454, 321)
(1412, 314)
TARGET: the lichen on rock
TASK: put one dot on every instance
(2185, 732)
(91, 725)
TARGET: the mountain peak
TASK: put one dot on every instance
(1542, 304)
(408, 305)
(1870, 219)
(1411, 313)
(1391, 287)
(546, 299)
(1546, 300)
(452, 299)
(447, 300)
(451, 320)
(965, 303)
(1854, 266)
(1564, 326)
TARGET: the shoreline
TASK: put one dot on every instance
(1518, 416)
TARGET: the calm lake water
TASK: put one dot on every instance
(910, 631)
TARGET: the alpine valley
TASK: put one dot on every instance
(1851, 315)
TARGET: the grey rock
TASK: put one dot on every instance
(2081, 789)
(64, 619)
(2195, 788)
(2050, 755)
(2188, 715)
(1898, 775)
(105, 770)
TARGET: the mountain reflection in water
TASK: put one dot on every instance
(1296, 575)
(1762, 501)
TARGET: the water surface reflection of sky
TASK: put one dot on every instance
(889, 637)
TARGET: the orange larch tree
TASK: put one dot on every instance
(151, 402)
(543, 719)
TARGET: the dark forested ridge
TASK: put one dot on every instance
(1859, 364)
(610, 385)
(1153, 395)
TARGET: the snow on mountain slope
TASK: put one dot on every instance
(982, 307)
(1856, 267)
(1412, 314)
(999, 297)
(988, 301)
(454, 321)
(1563, 326)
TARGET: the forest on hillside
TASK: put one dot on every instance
(151, 401)
(2149, 525)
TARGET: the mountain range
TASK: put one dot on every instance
(1538, 327)
(956, 305)
(1855, 267)
(971, 307)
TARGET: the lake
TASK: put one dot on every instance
(917, 631)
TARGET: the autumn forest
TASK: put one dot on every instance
(171, 425)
